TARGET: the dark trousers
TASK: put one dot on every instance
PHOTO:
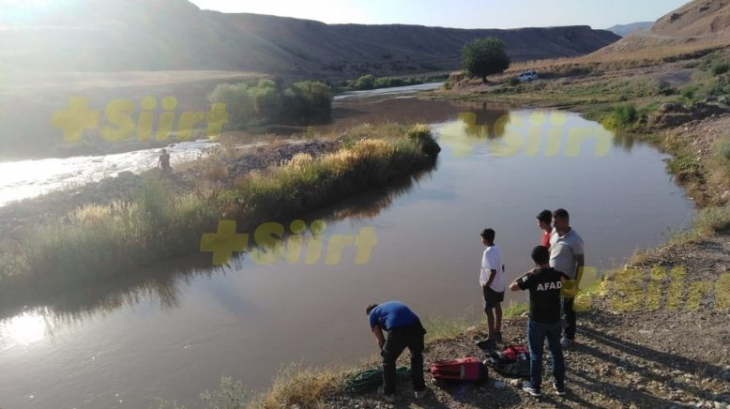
(569, 317)
(536, 334)
(398, 339)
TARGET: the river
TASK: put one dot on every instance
(174, 330)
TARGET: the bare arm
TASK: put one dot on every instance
(378, 332)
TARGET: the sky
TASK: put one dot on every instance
(458, 13)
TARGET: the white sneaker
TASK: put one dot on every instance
(527, 387)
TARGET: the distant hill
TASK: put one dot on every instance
(697, 18)
(698, 25)
(632, 28)
(124, 35)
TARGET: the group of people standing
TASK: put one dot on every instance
(553, 283)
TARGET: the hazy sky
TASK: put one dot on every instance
(458, 13)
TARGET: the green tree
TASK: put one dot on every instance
(269, 101)
(485, 57)
(365, 82)
(307, 102)
(239, 101)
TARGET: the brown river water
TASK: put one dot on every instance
(174, 330)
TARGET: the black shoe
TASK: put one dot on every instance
(527, 387)
(498, 337)
(487, 345)
(559, 391)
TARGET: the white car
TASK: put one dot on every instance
(527, 76)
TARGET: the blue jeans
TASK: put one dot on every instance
(536, 334)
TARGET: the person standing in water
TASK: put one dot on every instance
(164, 161)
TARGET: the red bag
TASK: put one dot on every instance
(462, 369)
(514, 352)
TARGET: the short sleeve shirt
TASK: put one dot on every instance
(564, 250)
(392, 314)
(492, 260)
(544, 286)
(546, 239)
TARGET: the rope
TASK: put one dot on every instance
(369, 380)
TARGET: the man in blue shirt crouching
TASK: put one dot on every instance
(404, 330)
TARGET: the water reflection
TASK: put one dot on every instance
(24, 330)
(23, 311)
(626, 142)
(487, 122)
(534, 133)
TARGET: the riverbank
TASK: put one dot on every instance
(656, 333)
(99, 232)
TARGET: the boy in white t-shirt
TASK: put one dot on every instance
(491, 278)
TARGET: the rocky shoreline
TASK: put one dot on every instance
(661, 357)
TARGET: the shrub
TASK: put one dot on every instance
(665, 88)
(689, 92)
(422, 135)
(720, 68)
(239, 101)
(390, 82)
(268, 100)
(622, 117)
(625, 114)
(725, 155)
(251, 103)
(514, 81)
(365, 82)
(307, 102)
(578, 71)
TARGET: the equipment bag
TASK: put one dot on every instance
(512, 362)
(463, 369)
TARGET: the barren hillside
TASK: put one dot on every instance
(697, 25)
(122, 35)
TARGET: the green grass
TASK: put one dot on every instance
(720, 68)
(439, 328)
(623, 117)
(515, 309)
(294, 386)
(97, 243)
(685, 166)
(724, 153)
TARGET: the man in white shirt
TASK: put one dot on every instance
(491, 278)
(566, 256)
